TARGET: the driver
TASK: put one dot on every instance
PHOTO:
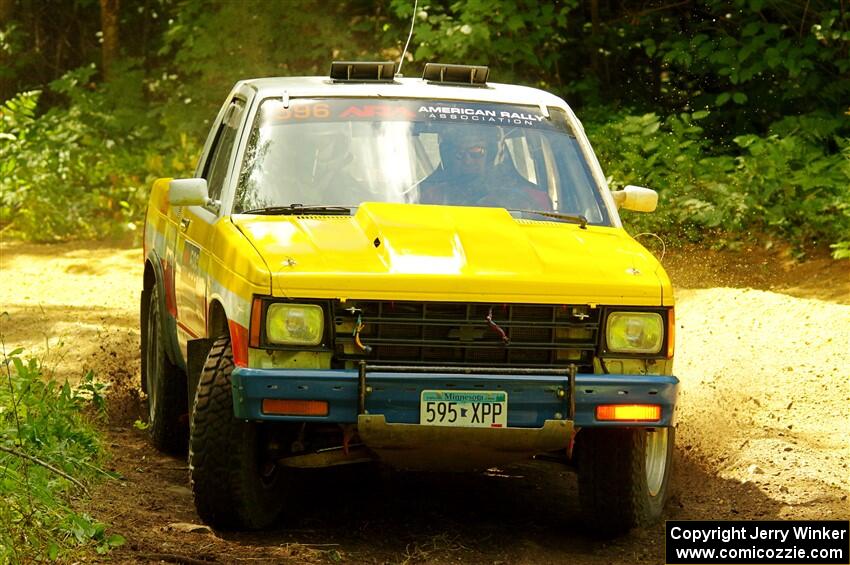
(476, 170)
(319, 167)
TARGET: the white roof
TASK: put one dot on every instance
(402, 88)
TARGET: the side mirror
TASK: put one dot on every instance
(636, 198)
(188, 192)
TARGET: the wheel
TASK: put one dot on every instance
(234, 484)
(165, 385)
(623, 476)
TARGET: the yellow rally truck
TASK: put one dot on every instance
(430, 273)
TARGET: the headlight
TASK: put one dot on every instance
(634, 332)
(294, 324)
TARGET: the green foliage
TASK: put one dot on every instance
(753, 63)
(841, 250)
(795, 188)
(667, 155)
(774, 56)
(82, 169)
(285, 38)
(786, 184)
(513, 37)
(44, 424)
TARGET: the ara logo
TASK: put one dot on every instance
(378, 111)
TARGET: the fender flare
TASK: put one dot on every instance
(167, 322)
(197, 349)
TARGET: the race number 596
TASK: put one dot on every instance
(304, 112)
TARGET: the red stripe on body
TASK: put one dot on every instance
(168, 275)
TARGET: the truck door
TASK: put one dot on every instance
(195, 226)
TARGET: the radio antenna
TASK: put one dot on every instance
(409, 35)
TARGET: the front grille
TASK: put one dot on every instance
(457, 334)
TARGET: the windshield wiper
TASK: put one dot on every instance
(300, 210)
(576, 219)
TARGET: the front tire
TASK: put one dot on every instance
(165, 385)
(235, 486)
(623, 476)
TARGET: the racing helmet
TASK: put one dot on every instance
(469, 148)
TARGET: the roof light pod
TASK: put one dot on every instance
(363, 71)
(456, 74)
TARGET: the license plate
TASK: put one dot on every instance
(464, 408)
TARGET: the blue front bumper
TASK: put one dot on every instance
(532, 399)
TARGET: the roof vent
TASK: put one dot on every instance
(456, 74)
(363, 71)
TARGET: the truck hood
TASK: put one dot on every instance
(451, 253)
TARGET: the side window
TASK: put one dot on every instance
(215, 169)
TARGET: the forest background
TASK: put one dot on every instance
(737, 112)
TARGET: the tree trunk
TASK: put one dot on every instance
(7, 81)
(109, 25)
(595, 41)
(7, 8)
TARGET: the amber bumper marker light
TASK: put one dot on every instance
(628, 412)
(282, 407)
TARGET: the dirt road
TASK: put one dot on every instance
(763, 356)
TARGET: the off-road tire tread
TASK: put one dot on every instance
(144, 310)
(168, 429)
(221, 453)
(612, 482)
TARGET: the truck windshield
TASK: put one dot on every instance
(341, 152)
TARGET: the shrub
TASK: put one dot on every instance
(49, 452)
(82, 169)
(792, 184)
